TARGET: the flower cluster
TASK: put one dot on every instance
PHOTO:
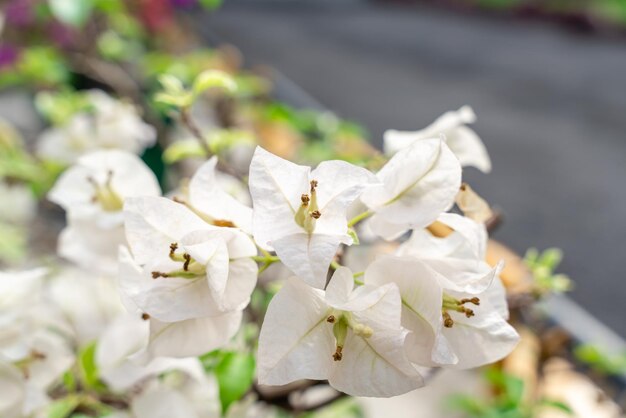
(158, 281)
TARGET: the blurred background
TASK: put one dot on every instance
(547, 80)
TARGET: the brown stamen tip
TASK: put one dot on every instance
(463, 187)
(305, 200)
(448, 322)
(474, 300)
(337, 356)
(109, 177)
(316, 214)
(331, 319)
(92, 180)
(178, 200)
(145, 316)
(187, 258)
(469, 313)
(37, 355)
(173, 248)
(157, 274)
(224, 223)
(313, 185)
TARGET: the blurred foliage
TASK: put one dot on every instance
(507, 400)
(542, 266)
(600, 360)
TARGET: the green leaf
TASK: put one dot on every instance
(556, 405)
(62, 408)
(211, 4)
(71, 12)
(213, 79)
(235, 374)
(88, 367)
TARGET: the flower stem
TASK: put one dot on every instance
(185, 117)
(358, 218)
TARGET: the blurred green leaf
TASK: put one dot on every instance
(62, 408)
(88, 368)
(235, 374)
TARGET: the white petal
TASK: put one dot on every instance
(480, 340)
(162, 403)
(422, 298)
(12, 390)
(308, 256)
(192, 337)
(295, 342)
(167, 299)
(276, 186)
(242, 278)
(153, 223)
(207, 196)
(339, 184)
(419, 183)
(474, 233)
(469, 148)
(339, 287)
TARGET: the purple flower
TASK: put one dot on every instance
(8, 56)
(19, 12)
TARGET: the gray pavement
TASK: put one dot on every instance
(551, 106)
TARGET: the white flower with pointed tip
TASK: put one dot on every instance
(417, 185)
(92, 192)
(111, 124)
(186, 267)
(352, 337)
(454, 325)
(462, 140)
(300, 213)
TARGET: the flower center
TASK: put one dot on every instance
(25, 363)
(105, 195)
(341, 321)
(191, 269)
(456, 305)
(308, 212)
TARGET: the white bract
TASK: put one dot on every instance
(92, 192)
(352, 337)
(110, 124)
(417, 185)
(453, 302)
(301, 214)
(192, 278)
(462, 140)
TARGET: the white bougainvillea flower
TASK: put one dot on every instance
(300, 213)
(462, 140)
(208, 198)
(353, 338)
(187, 267)
(450, 328)
(89, 302)
(92, 192)
(176, 337)
(459, 258)
(111, 124)
(417, 185)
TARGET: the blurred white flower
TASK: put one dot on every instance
(463, 141)
(300, 213)
(93, 192)
(111, 124)
(353, 338)
(17, 203)
(418, 184)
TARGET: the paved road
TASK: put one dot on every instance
(551, 107)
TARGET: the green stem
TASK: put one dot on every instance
(334, 265)
(358, 218)
(265, 258)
